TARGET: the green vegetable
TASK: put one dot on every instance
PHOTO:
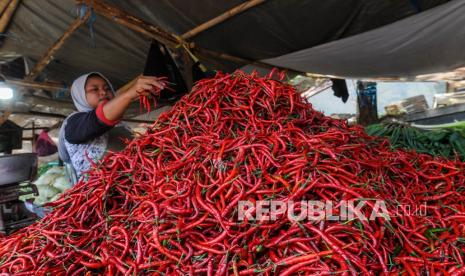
(447, 140)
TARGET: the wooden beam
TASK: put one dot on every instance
(48, 56)
(35, 85)
(31, 128)
(126, 86)
(3, 5)
(119, 16)
(215, 55)
(137, 121)
(55, 115)
(221, 18)
(40, 114)
(7, 15)
(32, 99)
(133, 109)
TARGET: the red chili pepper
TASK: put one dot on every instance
(169, 201)
(144, 101)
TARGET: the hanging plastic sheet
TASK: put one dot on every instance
(160, 63)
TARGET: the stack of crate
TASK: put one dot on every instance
(407, 106)
(448, 99)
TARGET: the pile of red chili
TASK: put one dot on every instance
(168, 203)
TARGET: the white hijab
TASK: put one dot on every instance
(78, 94)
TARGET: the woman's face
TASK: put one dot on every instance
(97, 91)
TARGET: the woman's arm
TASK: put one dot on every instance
(84, 126)
(114, 109)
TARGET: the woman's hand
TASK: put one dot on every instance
(144, 85)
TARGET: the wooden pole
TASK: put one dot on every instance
(366, 103)
(3, 5)
(30, 128)
(35, 85)
(33, 141)
(48, 56)
(33, 99)
(8, 14)
(221, 18)
(121, 17)
(55, 115)
(40, 114)
(126, 86)
(215, 55)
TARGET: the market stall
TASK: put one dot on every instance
(238, 174)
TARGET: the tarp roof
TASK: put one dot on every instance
(269, 30)
(431, 41)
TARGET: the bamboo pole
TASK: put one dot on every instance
(221, 18)
(121, 17)
(3, 5)
(8, 14)
(48, 56)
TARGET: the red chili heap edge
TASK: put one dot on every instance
(168, 203)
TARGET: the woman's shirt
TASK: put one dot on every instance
(86, 138)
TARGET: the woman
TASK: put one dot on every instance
(95, 128)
